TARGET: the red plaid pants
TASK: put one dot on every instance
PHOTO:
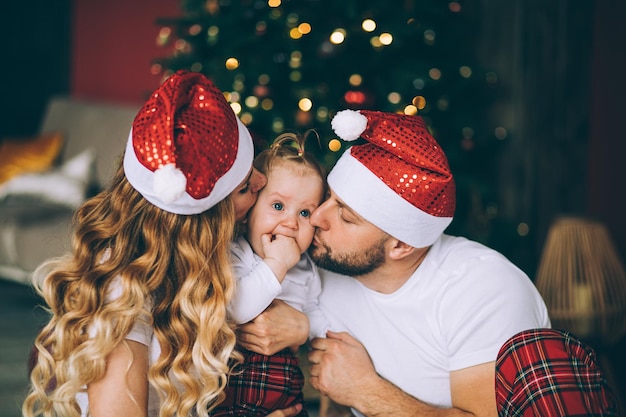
(263, 384)
(549, 373)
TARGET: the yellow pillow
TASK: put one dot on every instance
(20, 156)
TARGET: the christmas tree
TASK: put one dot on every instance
(290, 65)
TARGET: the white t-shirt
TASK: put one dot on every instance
(257, 287)
(460, 306)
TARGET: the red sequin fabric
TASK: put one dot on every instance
(187, 122)
(404, 155)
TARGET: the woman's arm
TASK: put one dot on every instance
(123, 391)
(280, 326)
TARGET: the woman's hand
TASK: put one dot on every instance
(280, 326)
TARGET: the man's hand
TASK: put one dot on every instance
(341, 368)
(278, 327)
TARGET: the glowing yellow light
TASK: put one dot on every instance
(295, 59)
(434, 73)
(227, 95)
(195, 29)
(355, 80)
(213, 31)
(304, 28)
(246, 118)
(394, 98)
(164, 36)
(267, 104)
(368, 25)
(295, 76)
(419, 102)
(294, 33)
(305, 104)
(500, 133)
(375, 42)
(180, 44)
(386, 38)
(465, 71)
(278, 125)
(165, 32)
(234, 96)
(334, 145)
(429, 37)
(236, 107)
(338, 36)
(273, 3)
(232, 63)
(252, 101)
(410, 110)
(322, 114)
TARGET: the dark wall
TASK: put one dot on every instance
(606, 196)
(35, 61)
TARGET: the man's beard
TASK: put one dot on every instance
(351, 264)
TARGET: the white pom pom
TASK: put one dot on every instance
(169, 183)
(349, 124)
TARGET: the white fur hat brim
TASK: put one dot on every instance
(372, 199)
(142, 179)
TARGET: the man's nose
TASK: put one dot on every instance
(318, 217)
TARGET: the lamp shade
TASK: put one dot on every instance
(582, 280)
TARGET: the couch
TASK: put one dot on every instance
(84, 141)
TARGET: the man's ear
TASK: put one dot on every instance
(397, 249)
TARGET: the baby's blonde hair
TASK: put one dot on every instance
(173, 271)
(289, 147)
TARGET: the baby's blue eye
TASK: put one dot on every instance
(305, 213)
(277, 206)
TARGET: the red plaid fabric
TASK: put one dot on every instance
(549, 373)
(263, 384)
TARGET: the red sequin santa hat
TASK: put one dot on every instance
(399, 180)
(187, 150)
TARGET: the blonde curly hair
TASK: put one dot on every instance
(174, 273)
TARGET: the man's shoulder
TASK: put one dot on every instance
(452, 255)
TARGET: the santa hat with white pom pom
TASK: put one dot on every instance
(187, 150)
(399, 180)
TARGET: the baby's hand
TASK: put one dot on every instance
(281, 254)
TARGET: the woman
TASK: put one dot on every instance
(138, 325)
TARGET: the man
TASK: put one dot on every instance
(419, 315)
